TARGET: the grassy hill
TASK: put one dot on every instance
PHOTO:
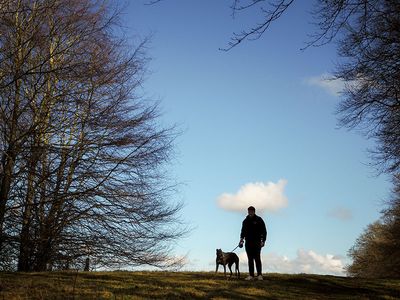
(189, 285)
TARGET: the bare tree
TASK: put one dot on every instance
(371, 50)
(367, 253)
(376, 252)
(83, 169)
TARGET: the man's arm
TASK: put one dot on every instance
(242, 234)
(263, 231)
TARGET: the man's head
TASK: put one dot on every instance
(251, 211)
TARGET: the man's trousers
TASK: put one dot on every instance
(253, 255)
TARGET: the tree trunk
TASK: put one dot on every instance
(26, 244)
(6, 179)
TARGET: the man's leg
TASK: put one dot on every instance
(257, 258)
(250, 257)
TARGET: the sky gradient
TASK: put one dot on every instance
(259, 128)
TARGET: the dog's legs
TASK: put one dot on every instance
(216, 268)
(225, 270)
(230, 268)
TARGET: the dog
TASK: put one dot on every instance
(227, 258)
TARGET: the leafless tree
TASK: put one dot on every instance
(83, 157)
(376, 252)
(367, 253)
(371, 51)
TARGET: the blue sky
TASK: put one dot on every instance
(258, 128)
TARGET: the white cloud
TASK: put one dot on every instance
(325, 81)
(263, 196)
(305, 262)
(341, 213)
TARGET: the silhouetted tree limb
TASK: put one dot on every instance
(271, 13)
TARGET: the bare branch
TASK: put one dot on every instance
(254, 33)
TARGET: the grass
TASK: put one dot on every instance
(188, 285)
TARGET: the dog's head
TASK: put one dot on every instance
(219, 253)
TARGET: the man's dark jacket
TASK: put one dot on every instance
(253, 230)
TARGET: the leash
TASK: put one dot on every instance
(235, 248)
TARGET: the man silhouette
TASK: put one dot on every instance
(255, 234)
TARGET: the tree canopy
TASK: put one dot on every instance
(82, 171)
